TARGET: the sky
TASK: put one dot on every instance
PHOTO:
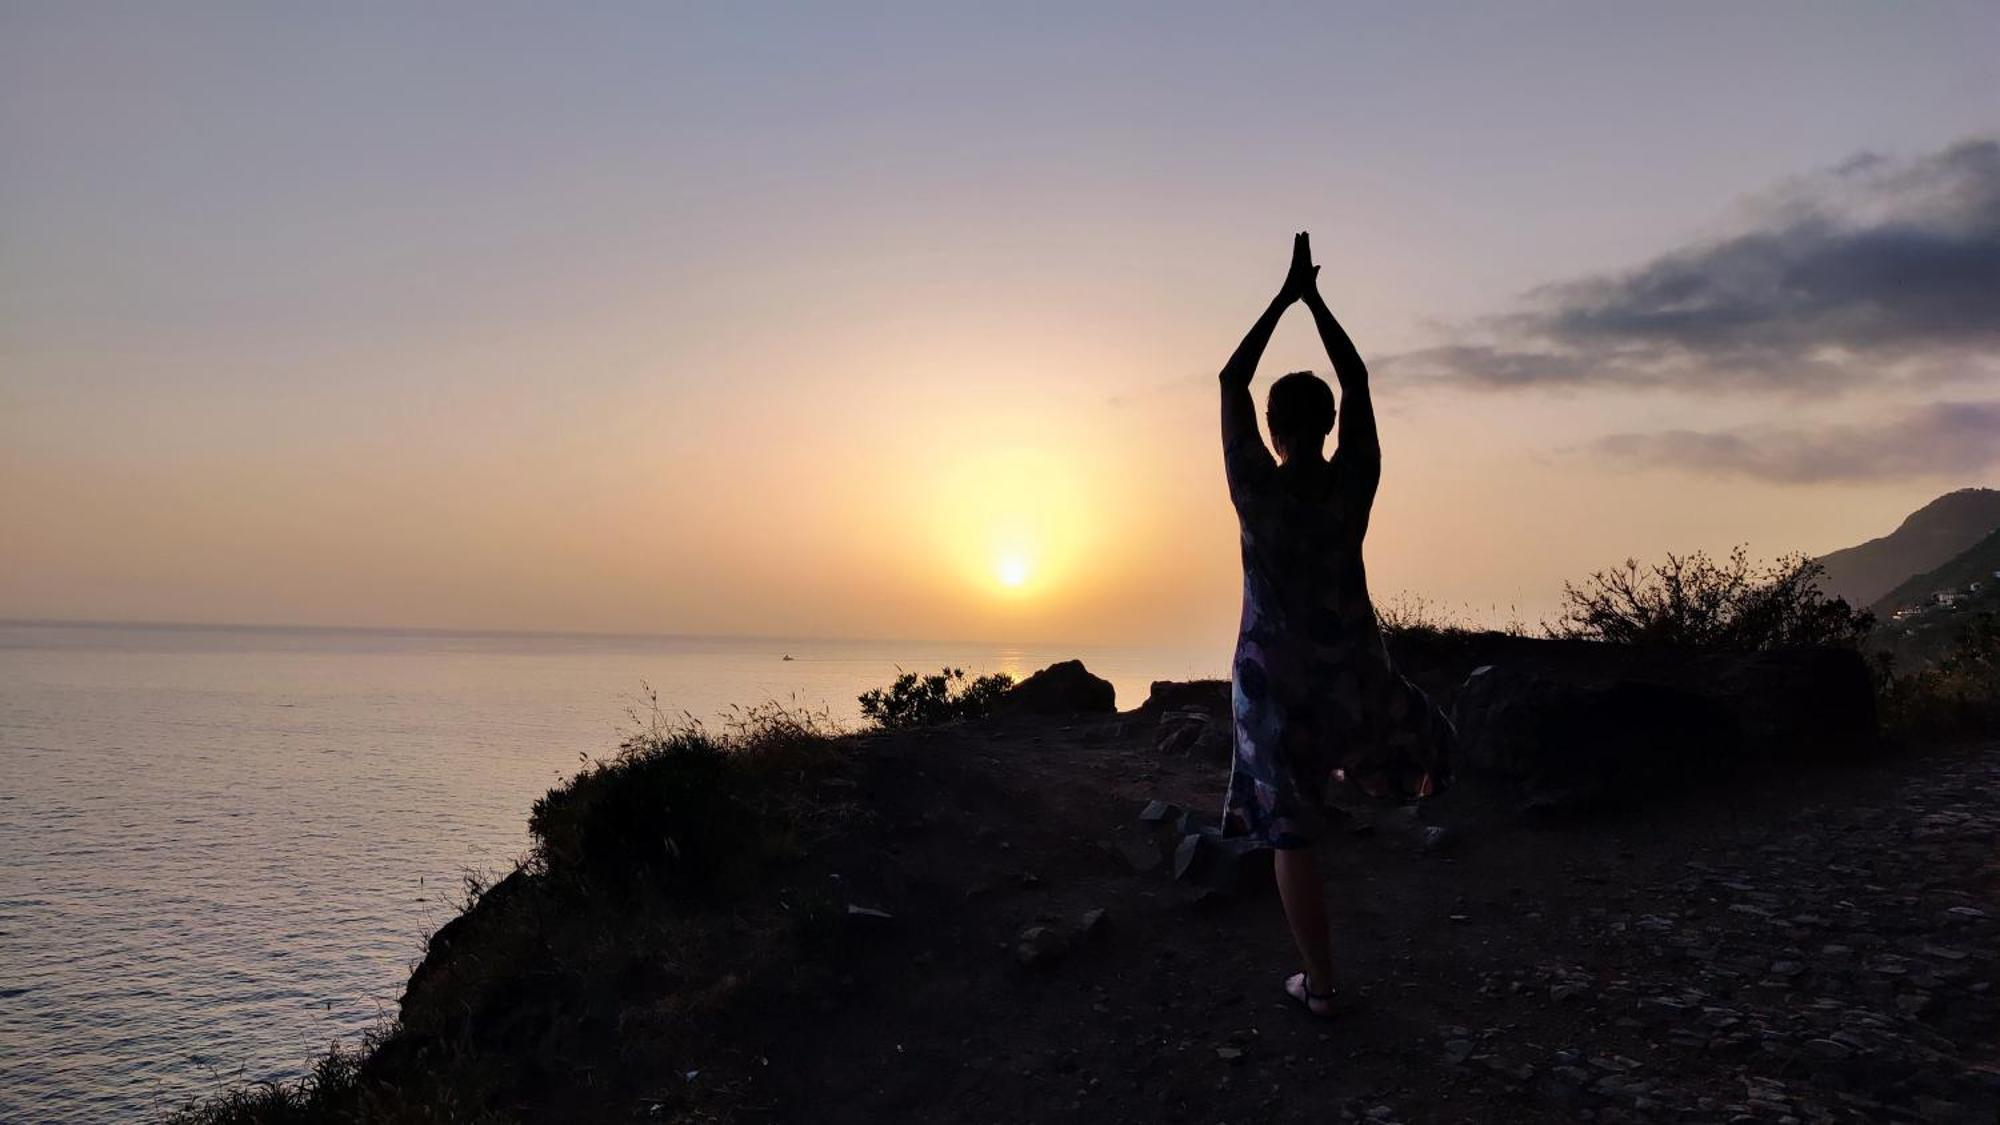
(903, 320)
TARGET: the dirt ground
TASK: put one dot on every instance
(1788, 948)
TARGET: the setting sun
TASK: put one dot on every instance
(1013, 571)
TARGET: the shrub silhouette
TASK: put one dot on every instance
(1694, 600)
(331, 1091)
(921, 701)
(680, 809)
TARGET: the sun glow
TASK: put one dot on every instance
(1013, 571)
(1018, 520)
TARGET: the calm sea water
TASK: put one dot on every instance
(221, 849)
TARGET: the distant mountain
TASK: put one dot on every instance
(1976, 563)
(1931, 537)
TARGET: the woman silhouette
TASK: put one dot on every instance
(1315, 697)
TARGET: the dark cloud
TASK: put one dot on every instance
(1874, 269)
(1946, 439)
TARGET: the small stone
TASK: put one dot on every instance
(1143, 855)
(1226, 865)
(1157, 812)
(1093, 923)
(1207, 899)
(1229, 1054)
(1040, 947)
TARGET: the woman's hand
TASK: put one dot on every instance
(1303, 279)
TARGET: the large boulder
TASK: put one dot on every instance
(1628, 723)
(1574, 747)
(1211, 696)
(1067, 688)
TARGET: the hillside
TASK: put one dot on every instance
(980, 924)
(1976, 563)
(1916, 629)
(1929, 538)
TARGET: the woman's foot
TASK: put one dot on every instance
(1299, 987)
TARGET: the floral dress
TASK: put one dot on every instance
(1315, 696)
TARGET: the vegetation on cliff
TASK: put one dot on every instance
(653, 873)
(921, 701)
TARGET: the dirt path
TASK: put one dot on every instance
(1815, 951)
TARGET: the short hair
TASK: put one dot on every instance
(1300, 407)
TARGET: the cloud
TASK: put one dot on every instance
(1945, 439)
(1875, 269)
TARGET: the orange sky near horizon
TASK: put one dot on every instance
(719, 324)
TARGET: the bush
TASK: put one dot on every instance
(332, 1092)
(678, 808)
(1694, 600)
(1959, 694)
(921, 701)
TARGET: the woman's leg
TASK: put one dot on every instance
(1305, 908)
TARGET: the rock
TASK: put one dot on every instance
(1222, 864)
(1178, 735)
(1143, 855)
(1194, 733)
(1066, 688)
(1214, 744)
(1093, 924)
(1578, 727)
(1574, 748)
(1156, 812)
(867, 912)
(1206, 900)
(1040, 947)
(1211, 696)
(1191, 821)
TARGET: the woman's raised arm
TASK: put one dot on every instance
(1358, 454)
(1244, 458)
(1244, 455)
(1357, 409)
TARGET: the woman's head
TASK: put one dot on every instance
(1300, 413)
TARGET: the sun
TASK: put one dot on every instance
(1012, 570)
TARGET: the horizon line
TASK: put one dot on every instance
(576, 634)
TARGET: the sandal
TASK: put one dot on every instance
(1319, 1004)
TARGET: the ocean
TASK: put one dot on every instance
(221, 849)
